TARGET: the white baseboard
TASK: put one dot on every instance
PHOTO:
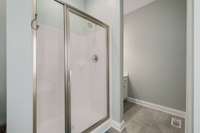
(108, 124)
(118, 126)
(164, 109)
(103, 127)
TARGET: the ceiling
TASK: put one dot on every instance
(133, 5)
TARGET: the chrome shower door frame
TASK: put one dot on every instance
(69, 9)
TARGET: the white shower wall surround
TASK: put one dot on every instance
(88, 93)
(50, 80)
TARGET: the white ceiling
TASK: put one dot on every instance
(132, 5)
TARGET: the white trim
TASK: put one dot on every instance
(118, 126)
(103, 127)
(189, 68)
(110, 124)
(164, 109)
(196, 104)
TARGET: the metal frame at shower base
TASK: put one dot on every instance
(67, 8)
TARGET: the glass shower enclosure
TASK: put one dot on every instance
(71, 70)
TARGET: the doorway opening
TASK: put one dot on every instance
(157, 66)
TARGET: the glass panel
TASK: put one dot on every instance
(88, 68)
(79, 4)
(50, 68)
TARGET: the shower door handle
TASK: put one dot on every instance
(69, 79)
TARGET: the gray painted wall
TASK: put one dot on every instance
(2, 61)
(155, 53)
(80, 4)
(19, 67)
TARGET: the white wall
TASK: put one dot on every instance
(155, 53)
(2, 61)
(196, 105)
(19, 66)
(132, 5)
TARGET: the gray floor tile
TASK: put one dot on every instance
(139, 119)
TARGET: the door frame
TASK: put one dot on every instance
(189, 67)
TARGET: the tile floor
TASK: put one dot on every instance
(139, 119)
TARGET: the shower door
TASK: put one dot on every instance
(87, 71)
(71, 93)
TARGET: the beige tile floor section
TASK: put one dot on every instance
(139, 119)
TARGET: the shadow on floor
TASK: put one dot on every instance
(127, 106)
